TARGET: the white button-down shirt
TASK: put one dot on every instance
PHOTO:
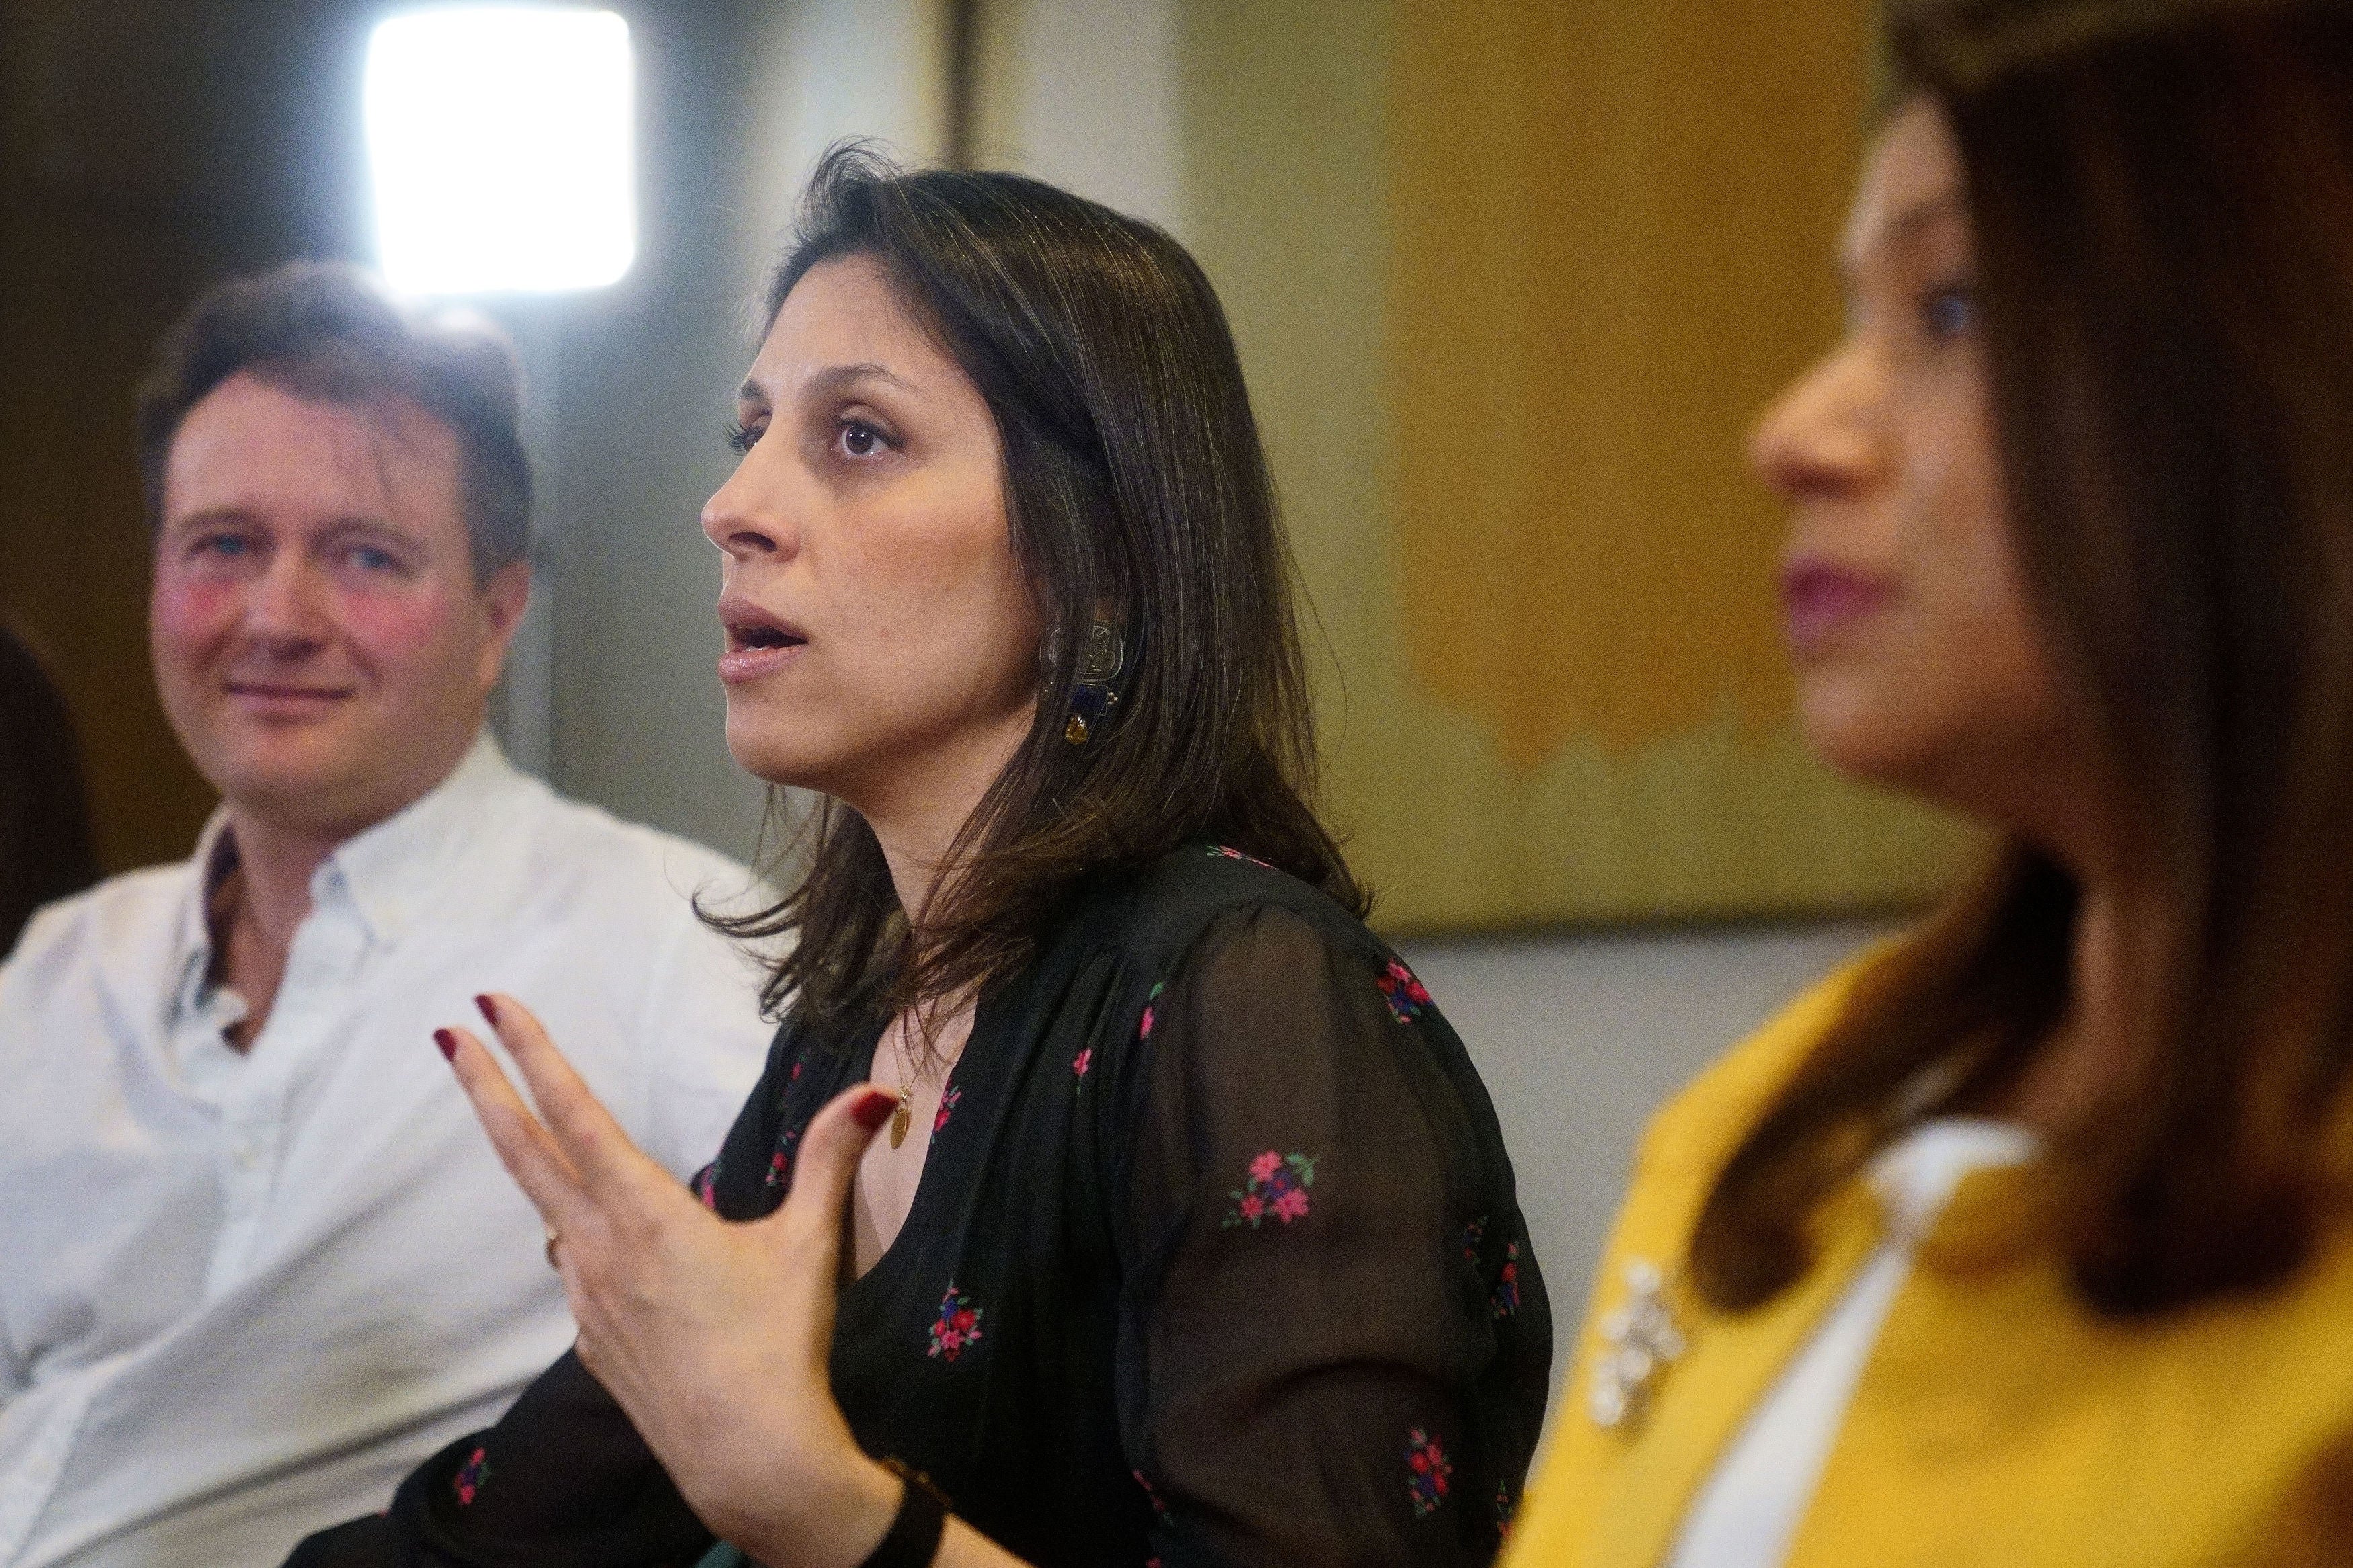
(242, 1294)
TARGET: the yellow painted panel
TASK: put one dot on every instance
(1511, 278)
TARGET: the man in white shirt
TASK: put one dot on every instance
(257, 1260)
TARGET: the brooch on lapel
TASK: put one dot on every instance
(1639, 1338)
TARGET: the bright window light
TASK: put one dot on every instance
(499, 137)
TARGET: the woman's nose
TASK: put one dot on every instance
(746, 517)
(1824, 437)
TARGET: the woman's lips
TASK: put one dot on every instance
(1819, 600)
(738, 665)
(759, 641)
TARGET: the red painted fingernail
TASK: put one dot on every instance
(448, 1042)
(875, 1108)
(490, 1011)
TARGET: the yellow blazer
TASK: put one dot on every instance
(1997, 1422)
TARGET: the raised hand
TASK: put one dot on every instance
(712, 1336)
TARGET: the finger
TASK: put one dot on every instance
(598, 1146)
(809, 1222)
(525, 1147)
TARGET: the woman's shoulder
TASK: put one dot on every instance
(1163, 910)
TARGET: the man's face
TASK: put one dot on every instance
(320, 641)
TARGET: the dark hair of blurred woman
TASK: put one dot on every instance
(44, 842)
(2164, 247)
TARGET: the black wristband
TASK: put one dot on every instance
(913, 1538)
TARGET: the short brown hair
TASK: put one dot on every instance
(2160, 191)
(328, 331)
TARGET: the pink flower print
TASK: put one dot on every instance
(1159, 1508)
(780, 1163)
(1144, 1029)
(1472, 1234)
(1237, 855)
(1507, 1283)
(706, 1187)
(958, 1326)
(947, 1104)
(1402, 991)
(1278, 1186)
(1428, 1472)
(1085, 1059)
(471, 1474)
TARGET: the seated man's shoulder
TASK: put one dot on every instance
(112, 946)
(127, 915)
(604, 855)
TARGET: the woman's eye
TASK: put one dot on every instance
(368, 558)
(860, 440)
(741, 440)
(229, 546)
(1949, 313)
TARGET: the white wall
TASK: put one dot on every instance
(1083, 93)
(1580, 1037)
(738, 97)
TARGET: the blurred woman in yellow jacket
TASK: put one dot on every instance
(2026, 1240)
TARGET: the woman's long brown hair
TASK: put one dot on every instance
(1135, 477)
(2162, 194)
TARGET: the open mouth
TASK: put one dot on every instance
(752, 627)
(741, 637)
(758, 640)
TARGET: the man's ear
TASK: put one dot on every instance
(504, 598)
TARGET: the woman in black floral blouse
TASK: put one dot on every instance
(1192, 1240)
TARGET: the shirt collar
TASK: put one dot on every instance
(392, 870)
(216, 855)
(388, 873)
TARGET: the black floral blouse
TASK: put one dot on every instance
(1215, 1260)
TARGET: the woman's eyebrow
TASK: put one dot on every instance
(831, 381)
(1901, 230)
(839, 378)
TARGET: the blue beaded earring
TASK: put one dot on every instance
(1103, 659)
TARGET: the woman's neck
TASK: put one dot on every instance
(2088, 1052)
(919, 809)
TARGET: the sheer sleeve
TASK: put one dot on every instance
(1314, 1181)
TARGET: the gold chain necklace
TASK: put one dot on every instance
(902, 1115)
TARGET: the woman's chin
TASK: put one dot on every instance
(1864, 733)
(768, 757)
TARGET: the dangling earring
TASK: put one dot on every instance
(1102, 659)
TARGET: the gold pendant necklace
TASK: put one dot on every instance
(902, 1114)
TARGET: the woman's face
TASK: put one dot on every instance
(1918, 662)
(879, 638)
